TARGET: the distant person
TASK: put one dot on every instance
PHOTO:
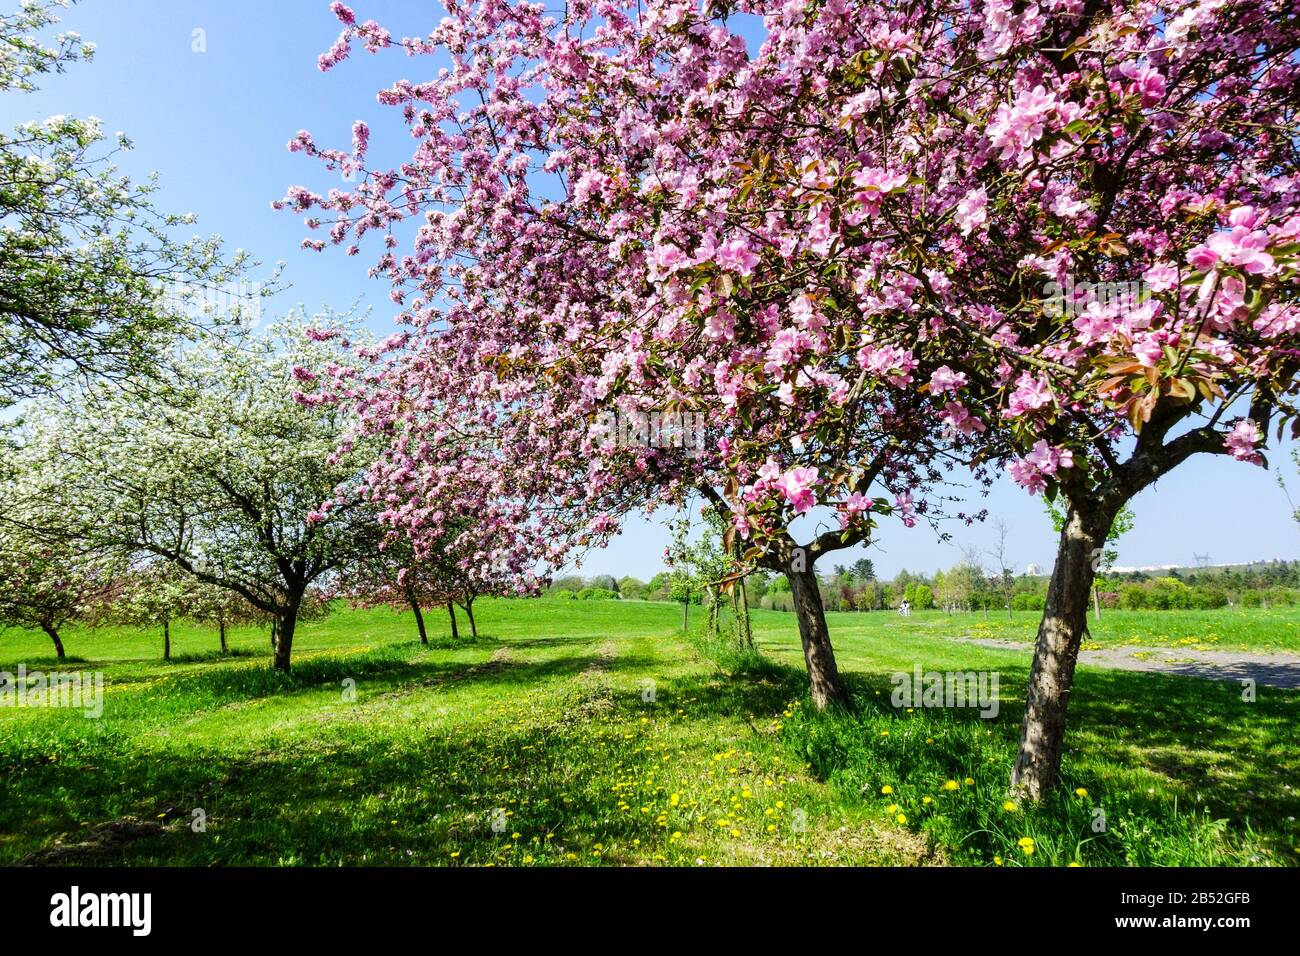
(905, 609)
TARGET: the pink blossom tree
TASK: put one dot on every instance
(456, 570)
(550, 288)
(1054, 237)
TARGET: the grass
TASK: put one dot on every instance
(596, 733)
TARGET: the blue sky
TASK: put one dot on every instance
(214, 124)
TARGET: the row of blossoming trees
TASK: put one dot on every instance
(204, 489)
(156, 461)
(875, 243)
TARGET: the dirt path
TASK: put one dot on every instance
(1272, 670)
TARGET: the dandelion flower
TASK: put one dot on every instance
(886, 789)
(1009, 806)
(950, 785)
(1081, 792)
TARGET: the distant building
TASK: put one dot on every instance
(1033, 570)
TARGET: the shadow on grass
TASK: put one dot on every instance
(1186, 771)
(353, 792)
(385, 789)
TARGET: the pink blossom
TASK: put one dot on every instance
(1027, 476)
(853, 507)
(736, 256)
(1244, 248)
(972, 211)
(1049, 460)
(1241, 441)
(1032, 393)
(904, 508)
(944, 380)
(797, 486)
(960, 420)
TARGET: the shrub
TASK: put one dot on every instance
(597, 594)
(1133, 597)
(1028, 601)
(920, 596)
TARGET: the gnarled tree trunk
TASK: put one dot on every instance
(53, 634)
(1065, 620)
(823, 674)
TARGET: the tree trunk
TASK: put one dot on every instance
(419, 618)
(284, 628)
(686, 611)
(742, 615)
(712, 626)
(167, 640)
(451, 609)
(823, 675)
(1065, 620)
(54, 636)
(221, 629)
(469, 612)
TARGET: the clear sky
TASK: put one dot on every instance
(214, 124)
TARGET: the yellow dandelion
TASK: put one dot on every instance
(1009, 806)
(886, 789)
(950, 785)
(901, 818)
(1081, 792)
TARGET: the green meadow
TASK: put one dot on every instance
(599, 733)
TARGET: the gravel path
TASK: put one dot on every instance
(1272, 670)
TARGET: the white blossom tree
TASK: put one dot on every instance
(226, 472)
